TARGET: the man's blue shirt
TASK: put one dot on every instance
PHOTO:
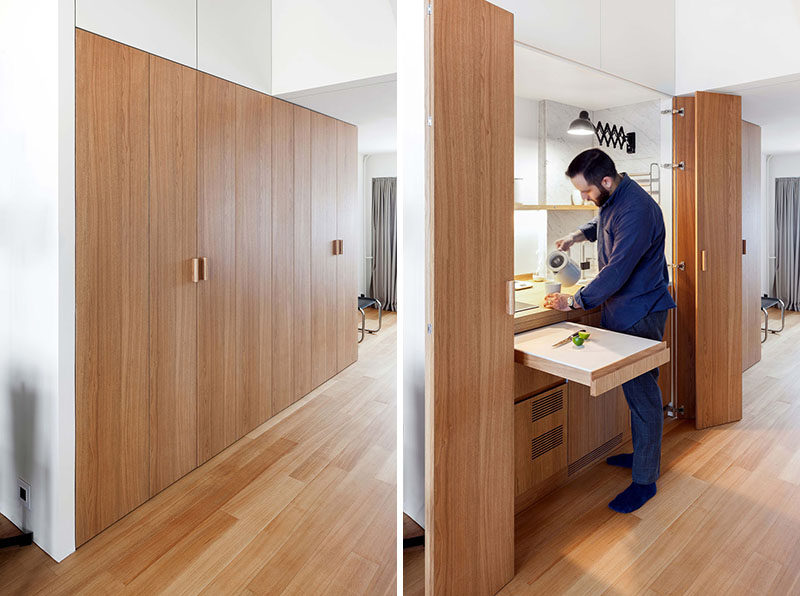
(633, 280)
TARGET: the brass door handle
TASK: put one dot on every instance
(338, 247)
(702, 260)
(199, 269)
(511, 299)
(195, 270)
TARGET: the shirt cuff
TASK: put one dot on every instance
(576, 298)
(589, 231)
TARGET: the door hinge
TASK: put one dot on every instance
(430, 8)
(429, 329)
(671, 410)
(675, 112)
(430, 120)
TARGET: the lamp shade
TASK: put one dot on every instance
(582, 125)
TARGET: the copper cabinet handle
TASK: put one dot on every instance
(338, 247)
(511, 302)
(341, 247)
(702, 260)
(203, 269)
(195, 270)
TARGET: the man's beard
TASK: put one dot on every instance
(603, 197)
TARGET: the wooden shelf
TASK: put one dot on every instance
(523, 207)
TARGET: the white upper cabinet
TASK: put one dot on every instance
(166, 28)
(569, 29)
(234, 41)
(638, 42)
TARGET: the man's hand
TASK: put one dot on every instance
(564, 243)
(557, 302)
(567, 241)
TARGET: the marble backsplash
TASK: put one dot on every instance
(536, 231)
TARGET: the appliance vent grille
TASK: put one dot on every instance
(547, 405)
(547, 442)
(595, 454)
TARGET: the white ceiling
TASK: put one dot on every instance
(539, 75)
(370, 104)
(775, 106)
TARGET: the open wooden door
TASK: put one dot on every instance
(707, 142)
(684, 238)
(470, 339)
(719, 258)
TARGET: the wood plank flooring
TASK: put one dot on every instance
(304, 504)
(726, 519)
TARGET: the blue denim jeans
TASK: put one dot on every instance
(644, 399)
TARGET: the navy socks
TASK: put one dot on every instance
(633, 497)
(623, 460)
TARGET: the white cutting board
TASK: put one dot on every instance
(604, 354)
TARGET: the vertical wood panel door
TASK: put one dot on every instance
(347, 262)
(469, 417)
(719, 258)
(283, 317)
(751, 235)
(216, 204)
(173, 294)
(253, 271)
(111, 279)
(684, 281)
(302, 252)
(323, 261)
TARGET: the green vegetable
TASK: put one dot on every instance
(577, 340)
(584, 334)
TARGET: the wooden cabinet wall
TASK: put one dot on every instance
(173, 296)
(174, 165)
(112, 364)
(216, 239)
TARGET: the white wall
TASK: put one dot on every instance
(727, 42)
(411, 258)
(379, 165)
(777, 166)
(318, 42)
(37, 268)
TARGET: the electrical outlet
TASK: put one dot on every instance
(24, 493)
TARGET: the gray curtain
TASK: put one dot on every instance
(787, 241)
(383, 284)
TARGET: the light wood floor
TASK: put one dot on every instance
(726, 519)
(305, 504)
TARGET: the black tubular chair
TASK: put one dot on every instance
(366, 302)
(769, 302)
